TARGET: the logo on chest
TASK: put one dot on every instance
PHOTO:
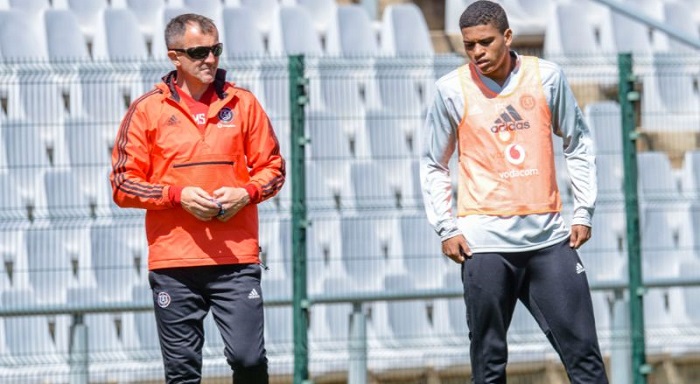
(226, 118)
(509, 120)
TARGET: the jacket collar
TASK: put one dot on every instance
(219, 83)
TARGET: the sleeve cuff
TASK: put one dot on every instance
(582, 216)
(253, 192)
(175, 194)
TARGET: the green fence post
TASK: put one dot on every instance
(628, 96)
(300, 303)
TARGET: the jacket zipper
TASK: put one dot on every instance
(203, 163)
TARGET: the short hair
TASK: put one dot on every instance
(178, 25)
(484, 12)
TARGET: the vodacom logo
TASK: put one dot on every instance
(515, 154)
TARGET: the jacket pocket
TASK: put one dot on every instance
(209, 174)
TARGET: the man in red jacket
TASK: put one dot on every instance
(199, 153)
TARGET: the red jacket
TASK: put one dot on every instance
(159, 147)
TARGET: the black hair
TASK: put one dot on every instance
(484, 12)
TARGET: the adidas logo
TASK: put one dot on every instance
(579, 268)
(173, 120)
(253, 294)
(510, 120)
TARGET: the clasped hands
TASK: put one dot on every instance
(223, 204)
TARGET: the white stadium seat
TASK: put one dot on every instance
(118, 37)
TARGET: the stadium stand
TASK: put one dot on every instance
(70, 68)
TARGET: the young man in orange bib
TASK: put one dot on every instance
(499, 112)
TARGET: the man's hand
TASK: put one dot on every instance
(579, 235)
(197, 201)
(456, 248)
(232, 200)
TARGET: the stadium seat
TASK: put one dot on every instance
(571, 41)
(661, 255)
(657, 181)
(323, 13)
(66, 42)
(655, 10)
(15, 208)
(405, 32)
(605, 255)
(35, 341)
(406, 339)
(368, 244)
(243, 39)
(293, 33)
(89, 154)
(59, 258)
(141, 343)
(605, 122)
(13, 250)
(119, 258)
(278, 319)
(328, 141)
(330, 328)
(26, 159)
(422, 257)
(32, 92)
(118, 37)
(690, 176)
(610, 179)
(371, 187)
(265, 14)
(324, 250)
(87, 11)
(407, 86)
(691, 295)
(390, 137)
(276, 245)
(669, 96)
(275, 88)
(106, 91)
(665, 314)
(630, 35)
(327, 184)
(65, 199)
(450, 323)
(348, 87)
(145, 11)
(109, 361)
(353, 35)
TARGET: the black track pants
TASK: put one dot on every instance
(182, 298)
(554, 288)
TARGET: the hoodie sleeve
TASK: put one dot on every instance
(131, 164)
(438, 143)
(579, 150)
(267, 167)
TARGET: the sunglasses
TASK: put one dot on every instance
(202, 52)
